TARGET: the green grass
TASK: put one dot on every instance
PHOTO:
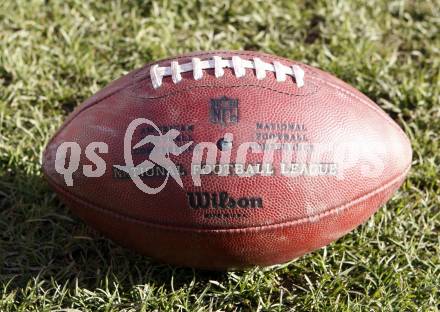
(55, 54)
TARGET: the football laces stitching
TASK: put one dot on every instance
(239, 66)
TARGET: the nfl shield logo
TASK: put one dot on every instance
(224, 111)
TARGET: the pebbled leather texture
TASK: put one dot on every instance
(299, 214)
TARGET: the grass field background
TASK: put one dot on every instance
(55, 54)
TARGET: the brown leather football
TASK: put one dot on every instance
(226, 159)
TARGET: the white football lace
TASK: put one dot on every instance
(238, 64)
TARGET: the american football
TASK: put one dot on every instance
(226, 159)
